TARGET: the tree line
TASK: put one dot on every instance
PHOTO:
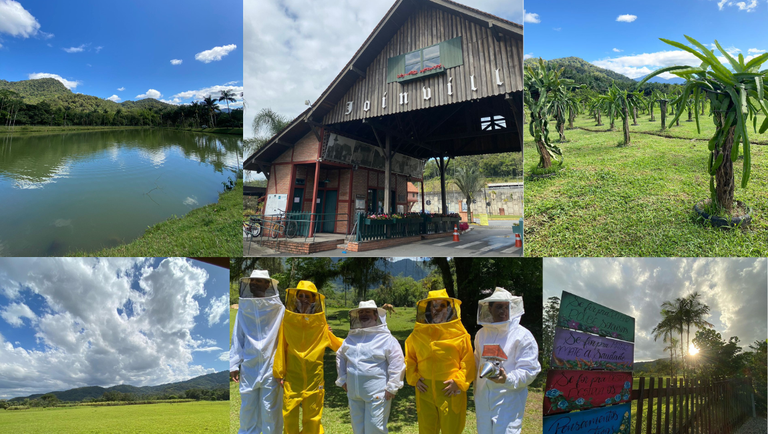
(51, 400)
(15, 112)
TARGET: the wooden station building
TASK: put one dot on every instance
(435, 79)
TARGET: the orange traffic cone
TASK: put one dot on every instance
(455, 233)
(518, 241)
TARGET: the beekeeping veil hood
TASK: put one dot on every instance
(369, 317)
(500, 309)
(438, 308)
(258, 285)
(305, 300)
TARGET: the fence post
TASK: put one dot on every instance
(752, 395)
(650, 406)
(639, 416)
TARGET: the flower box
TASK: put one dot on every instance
(419, 75)
(375, 222)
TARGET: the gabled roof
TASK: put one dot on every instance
(385, 31)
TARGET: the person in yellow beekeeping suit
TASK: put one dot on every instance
(440, 363)
(304, 335)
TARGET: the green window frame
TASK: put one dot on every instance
(446, 53)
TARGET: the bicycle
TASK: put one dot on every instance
(252, 227)
(283, 226)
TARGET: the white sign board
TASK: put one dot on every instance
(275, 204)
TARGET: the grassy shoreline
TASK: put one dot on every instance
(45, 129)
(213, 230)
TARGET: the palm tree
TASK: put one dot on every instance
(670, 324)
(737, 98)
(227, 95)
(469, 180)
(679, 316)
(269, 120)
(212, 107)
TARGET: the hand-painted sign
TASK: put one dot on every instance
(349, 151)
(577, 350)
(581, 314)
(605, 420)
(580, 390)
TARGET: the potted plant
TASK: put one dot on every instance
(736, 99)
(379, 219)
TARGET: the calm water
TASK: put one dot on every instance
(87, 191)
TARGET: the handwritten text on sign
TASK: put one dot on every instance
(581, 314)
(605, 420)
(577, 350)
(579, 390)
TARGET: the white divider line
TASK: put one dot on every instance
(444, 243)
(512, 250)
(468, 244)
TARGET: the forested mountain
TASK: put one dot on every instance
(208, 382)
(596, 78)
(46, 101)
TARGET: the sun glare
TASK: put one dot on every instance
(692, 350)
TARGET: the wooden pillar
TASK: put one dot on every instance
(387, 171)
(314, 200)
(423, 207)
(443, 164)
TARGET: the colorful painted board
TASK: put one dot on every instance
(576, 350)
(604, 420)
(580, 390)
(581, 314)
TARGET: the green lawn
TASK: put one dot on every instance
(637, 200)
(191, 417)
(213, 230)
(403, 417)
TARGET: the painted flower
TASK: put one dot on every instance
(580, 401)
(626, 414)
(573, 324)
(608, 401)
(615, 335)
(562, 404)
(625, 396)
(552, 393)
(627, 384)
(595, 329)
(617, 398)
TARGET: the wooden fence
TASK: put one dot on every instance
(693, 406)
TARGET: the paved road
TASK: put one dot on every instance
(480, 241)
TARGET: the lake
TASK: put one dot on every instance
(86, 191)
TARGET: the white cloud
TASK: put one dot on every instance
(743, 6)
(174, 101)
(755, 51)
(224, 357)
(213, 91)
(114, 98)
(557, 29)
(14, 312)
(527, 56)
(626, 18)
(721, 3)
(218, 307)
(617, 50)
(70, 84)
(176, 61)
(151, 93)
(17, 21)
(98, 48)
(215, 53)
(45, 35)
(531, 18)
(121, 89)
(79, 49)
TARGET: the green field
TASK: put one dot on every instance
(403, 417)
(638, 200)
(191, 417)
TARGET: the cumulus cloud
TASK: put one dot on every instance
(626, 18)
(213, 91)
(215, 53)
(734, 289)
(70, 84)
(176, 61)
(755, 51)
(743, 6)
(527, 56)
(617, 50)
(102, 322)
(17, 21)
(151, 93)
(45, 35)
(531, 18)
(174, 101)
(14, 312)
(224, 357)
(79, 49)
(217, 309)
(114, 98)
(121, 89)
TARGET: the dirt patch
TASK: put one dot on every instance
(233, 306)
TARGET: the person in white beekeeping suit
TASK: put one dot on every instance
(506, 355)
(370, 367)
(254, 339)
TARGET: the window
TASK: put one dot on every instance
(447, 54)
(426, 58)
(495, 122)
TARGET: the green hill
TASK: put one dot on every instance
(217, 380)
(596, 78)
(54, 93)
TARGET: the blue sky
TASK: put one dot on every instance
(74, 322)
(99, 47)
(735, 289)
(595, 30)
